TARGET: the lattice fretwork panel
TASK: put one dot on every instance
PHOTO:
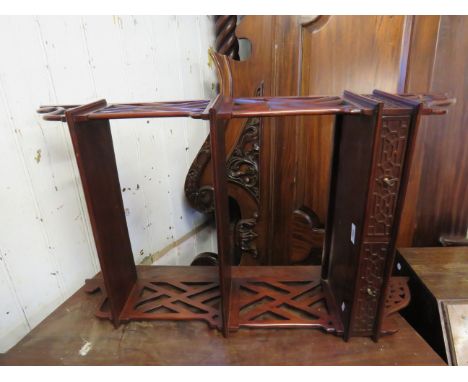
(393, 137)
(369, 287)
(170, 300)
(272, 302)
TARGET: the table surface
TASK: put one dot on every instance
(71, 335)
(444, 270)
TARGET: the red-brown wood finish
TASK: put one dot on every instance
(373, 148)
(94, 151)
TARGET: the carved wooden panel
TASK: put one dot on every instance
(191, 296)
(242, 165)
(199, 197)
(393, 139)
(370, 280)
(398, 295)
(272, 301)
(245, 236)
(283, 297)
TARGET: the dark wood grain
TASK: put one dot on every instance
(442, 207)
(435, 208)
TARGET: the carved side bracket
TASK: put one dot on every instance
(398, 297)
(243, 164)
(200, 198)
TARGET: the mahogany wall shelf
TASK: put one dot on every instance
(350, 294)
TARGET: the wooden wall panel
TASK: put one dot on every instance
(418, 79)
(358, 53)
(323, 55)
(395, 53)
(442, 205)
(437, 198)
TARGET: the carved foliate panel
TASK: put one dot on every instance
(242, 166)
(393, 140)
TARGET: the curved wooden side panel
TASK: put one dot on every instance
(223, 70)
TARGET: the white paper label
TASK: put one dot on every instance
(353, 233)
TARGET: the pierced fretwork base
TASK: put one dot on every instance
(169, 293)
(262, 297)
(281, 297)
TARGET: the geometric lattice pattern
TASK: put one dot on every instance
(177, 300)
(392, 151)
(276, 303)
(384, 191)
(272, 297)
(171, 300)
(267, 300)
(369, 287)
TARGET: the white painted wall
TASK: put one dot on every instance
(46, 244)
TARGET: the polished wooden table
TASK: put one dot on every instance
(436, 274)
(73, 336)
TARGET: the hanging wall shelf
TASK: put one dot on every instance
(351, 294)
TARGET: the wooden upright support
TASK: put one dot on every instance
(217, 135)
(94, 151)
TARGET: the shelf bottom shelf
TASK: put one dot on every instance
(168, 293)
(262, 297)
(281, 296)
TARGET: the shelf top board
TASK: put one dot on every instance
(350, 103)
